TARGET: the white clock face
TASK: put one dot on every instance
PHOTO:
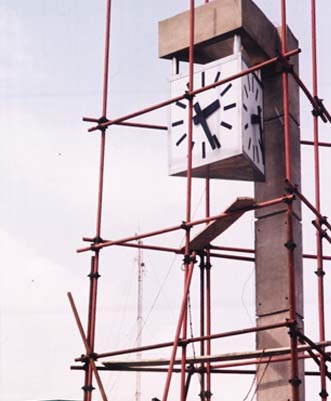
(252, 112)
(216, 117)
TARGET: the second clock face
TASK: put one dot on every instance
(252, 104)
(216, 117)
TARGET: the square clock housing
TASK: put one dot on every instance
(227, 123)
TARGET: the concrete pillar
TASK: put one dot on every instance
(272, 294)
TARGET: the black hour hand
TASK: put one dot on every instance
(200, 118)
(257, 118)
(209, 110)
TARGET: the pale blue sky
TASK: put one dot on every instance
(51, 60)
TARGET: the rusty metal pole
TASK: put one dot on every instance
(178, 330)
(187, 262)
(202, 324)
(94, 275)
(295, 381)
(208, 301)
(319, 245)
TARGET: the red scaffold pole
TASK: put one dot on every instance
(187, 262)
(207, 267)
(94, 275)
(178, 330)
(295, 382)
(319, 245)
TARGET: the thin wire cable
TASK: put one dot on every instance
(189, 306)
(260, 381)
(171, 266)
(254, 380)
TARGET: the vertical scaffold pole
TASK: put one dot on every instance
(202, 324)
(94, 275)
(319, 245)
(208, 301)
(295, 381)
(141, 265)
(189, 260)
(183, 390)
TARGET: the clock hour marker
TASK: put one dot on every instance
(216, 141)
(249, 143)
(246, 92)
(182, 105)
(217, 76)
(180, 140)
(203, 80)
(179, 122)
(245, 107)
(193, 143)
(226, 89)
(249, 83)
(257, 154)
(246, 126)
(229, 106)
(226, 125)
(253, 80)
(256, 94)
(262, 150)
(203, 150)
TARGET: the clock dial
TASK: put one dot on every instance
(227, 123)
(215, 117)
(252, 107)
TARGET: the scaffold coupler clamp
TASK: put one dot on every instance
(284, 61)
(188, 259)
(102, 120)
(319, 109)
(188, 95)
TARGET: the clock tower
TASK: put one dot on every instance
(238, 133)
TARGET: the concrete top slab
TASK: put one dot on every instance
(216, 23)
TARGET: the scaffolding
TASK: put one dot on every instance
(207, 364)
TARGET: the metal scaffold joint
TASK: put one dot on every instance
(88, 388)
(320, 273)
(323, 220)
(93, 355)
(287, 66)
(292, 329)
(188, 95)
(319, 109)
(102, 120)
(205, 395)
(290, 189)
(295, 381)
(185, 226)
(189, 259)
(291, 245)
(323, 393)
(95, 275)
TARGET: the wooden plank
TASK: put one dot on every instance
(214, 229)
(235, 356)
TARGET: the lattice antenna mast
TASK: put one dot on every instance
(140, 265)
